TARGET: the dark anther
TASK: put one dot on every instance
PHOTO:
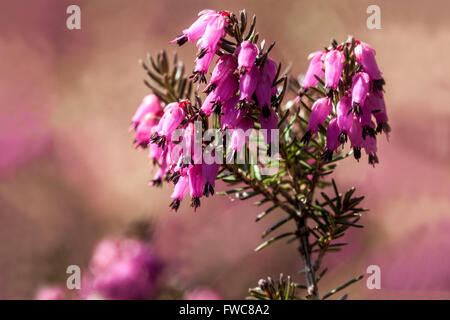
(156, 182)
(182, 40)
(343, 138)
(198, 76)
(202, 53)
(373, 159)
(368, 131)
(266, 112)
(217, 107)
(210, 88)
(378, 84)
(330, 93)
(357, 153)
(175, 204)
(195, 202)
(306, 137)
(327, 155)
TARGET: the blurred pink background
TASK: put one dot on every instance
(69, 175)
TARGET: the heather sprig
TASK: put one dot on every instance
(338, 100)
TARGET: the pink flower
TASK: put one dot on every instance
(202, 294)
(264, 87)
(124, 269)
(150, 104)
(269, 120)
(202, 64)
(224, 66)
(344, 117)
(370, 147)
(333, 132)
(238, 136)
(229, 113)
(315, 69)
(319, 113)
(334, 63)
(144, 130)
(209, 174)
(376, 103)
(248, 83)
(198, 28)
(180, 190)
(365, 56)
(195, 184)
(209, 103)
(247, 53)
(173, 116)
(226, 89)
(50, 293)
(360, 88)
(356, 139)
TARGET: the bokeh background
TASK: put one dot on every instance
(69, 175)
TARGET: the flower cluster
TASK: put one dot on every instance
(240, 95)
(354, 94)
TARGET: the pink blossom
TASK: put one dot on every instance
(264, 87)
(195, 184)
(370, 147)
(209, 103)
(315, 69)
(150, 104)
(344, 117)
(180, 190)
(226, 89)
(209, 174)
(50, 293)
(174, 114)
(202, 294)
(333, 132)
(356, 139)
(334, 63)
(145, 129)
(365, 56)
(247, 55)
(319, 113)
(124, 269)
(229, 113)
(269, 120)
(198, 28)
(238, 136)
(202, 64)
(225, 65)
(360, 88)
(248, 83)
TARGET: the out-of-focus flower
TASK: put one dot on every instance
(150, 105)
(202, 294)
(51, 293)
(122, 269)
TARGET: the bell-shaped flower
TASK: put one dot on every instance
(333, 132)
(360, 88)
(334, 63)
(150, 104)
(344, 115)
(248, 83)
(247, 55)
(319, 113)
(269, 121)
(195, 184)
(365, 56)
(315, 69)
(209, 174)
(225, 65)
(180, 190)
